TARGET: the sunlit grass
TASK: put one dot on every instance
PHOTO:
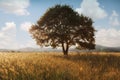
(55, 66)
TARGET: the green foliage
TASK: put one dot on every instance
(62, 26)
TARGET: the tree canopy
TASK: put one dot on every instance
(62, 26)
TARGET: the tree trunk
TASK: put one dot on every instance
(65, 49)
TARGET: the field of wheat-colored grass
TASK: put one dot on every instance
(55, 66)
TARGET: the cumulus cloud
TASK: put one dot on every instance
(91, 9)
(9, 40)
(8, 35)
(18, 7)
(25, 26)
(114, 13)
(108, 37)
(114, 19)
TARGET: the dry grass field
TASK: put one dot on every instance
(55, 66)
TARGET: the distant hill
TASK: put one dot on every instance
(47, 49)
(30, 49)
(5, 50)
(104, 48)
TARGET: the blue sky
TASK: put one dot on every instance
(16, 17)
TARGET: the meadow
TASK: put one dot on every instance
(56, 66)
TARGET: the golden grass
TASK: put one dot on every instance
(55, 66)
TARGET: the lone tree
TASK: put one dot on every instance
(62, 26)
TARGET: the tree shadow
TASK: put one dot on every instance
(94, 59)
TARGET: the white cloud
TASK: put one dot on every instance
(9, 26)
(108, 37)
(115, 22)
(114, 19)
(26, 26)
(114, 13)
(91, 9)
(8, 36)
(9, 40)
(17, 7)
